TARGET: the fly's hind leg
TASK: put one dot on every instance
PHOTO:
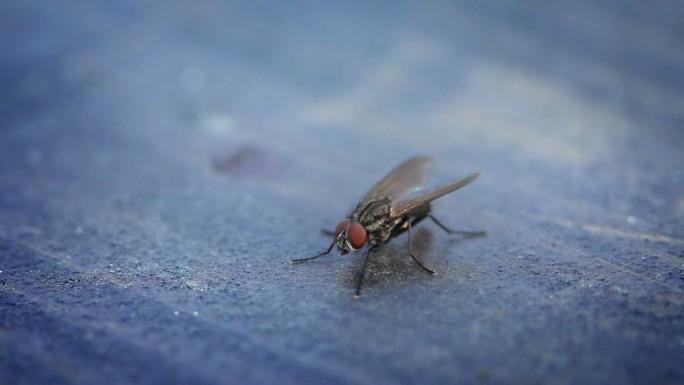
(411, 250)
(450, 231)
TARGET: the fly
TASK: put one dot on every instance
(393, 205)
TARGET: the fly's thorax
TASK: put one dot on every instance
(375, 218)
(373, 214)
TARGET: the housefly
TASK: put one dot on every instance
(392, 206)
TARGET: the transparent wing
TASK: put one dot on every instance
(410, 202)
(402, 180)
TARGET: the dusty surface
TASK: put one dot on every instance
(160, 164)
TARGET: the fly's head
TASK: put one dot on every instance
(349, 236)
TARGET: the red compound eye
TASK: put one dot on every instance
(341, 227)
(356, 235)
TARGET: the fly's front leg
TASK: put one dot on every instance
(363, 271)
(293, 261)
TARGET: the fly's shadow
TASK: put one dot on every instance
(391, 264)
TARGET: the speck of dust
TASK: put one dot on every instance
(176, 313)
(79, 230)
(195, 313)
(631, 220)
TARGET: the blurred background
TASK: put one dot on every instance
(161, 162)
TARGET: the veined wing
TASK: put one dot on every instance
(410, 175)
(409, 203)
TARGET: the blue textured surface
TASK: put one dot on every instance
(160, 163)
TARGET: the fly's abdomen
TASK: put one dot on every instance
(419, 211)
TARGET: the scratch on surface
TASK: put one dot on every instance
(635, 273)
(573, 250)
(621, 233)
